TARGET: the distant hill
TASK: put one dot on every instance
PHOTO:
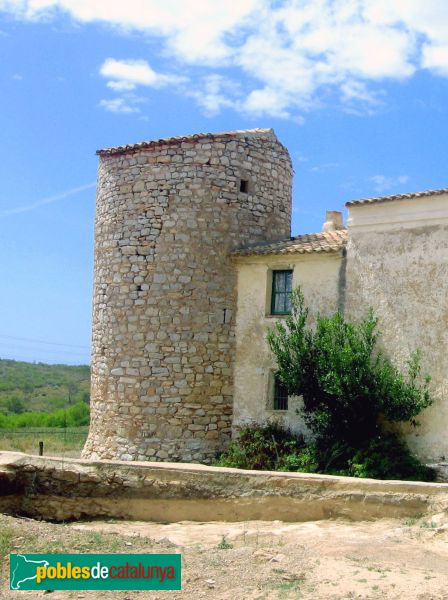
(39, 387)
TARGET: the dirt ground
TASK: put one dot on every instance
(256, 560)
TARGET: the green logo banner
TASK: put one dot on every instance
(95, 572)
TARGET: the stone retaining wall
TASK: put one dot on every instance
(64, 489)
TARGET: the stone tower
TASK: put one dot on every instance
(169, 213)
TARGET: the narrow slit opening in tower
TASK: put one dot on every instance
(244, 185)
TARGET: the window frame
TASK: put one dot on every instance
(275, 293)
(280, 396)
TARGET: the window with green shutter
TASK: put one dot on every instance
(281, 292)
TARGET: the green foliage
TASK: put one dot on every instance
(270, 447)
(75, 416)
(305, 460)
(224, 544)
(260, 447)
(15, 405)
(428, 525)
(386, 457)
(39, 387)
(349, 389)
(411, 521)
(348, 386)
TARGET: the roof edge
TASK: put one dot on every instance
(308, 243)
(170, 141)
(391, 198)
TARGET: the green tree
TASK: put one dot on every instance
(349, 387)
(85, 397)
(72, 389)
(15, 405)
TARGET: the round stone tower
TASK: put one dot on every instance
(169, 214)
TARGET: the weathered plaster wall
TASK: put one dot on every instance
(321, 277)
(397, 262)
(169, 213)
(59, 489)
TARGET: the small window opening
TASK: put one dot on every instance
(280, 395)
(244, 186)
(281, 292)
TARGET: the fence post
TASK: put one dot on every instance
(41, 448)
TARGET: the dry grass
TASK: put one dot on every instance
(57, 442)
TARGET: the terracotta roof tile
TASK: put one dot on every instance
(397, 197)
(187, 138)
(324, 242)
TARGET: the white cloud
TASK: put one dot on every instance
(121, 86)
(426, 21)
(324, 167)
(196, 30)
(290, 56)
(214, 92)
(126, 75)
(436, 59)
(383, 183)
(267, 101)
(120, 105)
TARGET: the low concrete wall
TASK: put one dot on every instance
(63, 489)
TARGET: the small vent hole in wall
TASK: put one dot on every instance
(226, 315)
(244, 185)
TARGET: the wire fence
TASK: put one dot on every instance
(46, 441)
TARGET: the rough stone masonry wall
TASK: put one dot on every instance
(168, 215)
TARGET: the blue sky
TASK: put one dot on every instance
(356, 89)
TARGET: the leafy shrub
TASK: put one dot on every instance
(270, 447)
(224, 544)
(262, 447)
(347, 385)
(387, 457)
(305, 460)
(349, 389)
